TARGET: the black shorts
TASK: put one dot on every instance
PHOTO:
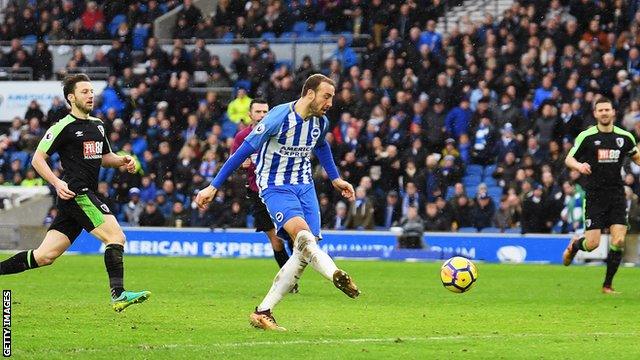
(262, 220)
(604, 208)
(84, 211)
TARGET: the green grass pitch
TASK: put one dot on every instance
(200, 308)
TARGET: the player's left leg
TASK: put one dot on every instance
(110, 233)
(306, 240)
(54, 244)
(614, 257)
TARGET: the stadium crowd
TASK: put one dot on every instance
(441, 132)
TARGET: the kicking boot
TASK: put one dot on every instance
(343, 281)
(128, 298)
(264, 320)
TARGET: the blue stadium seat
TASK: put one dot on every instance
(309, 37)
(287, 63)
(229, 128)
(491, 230)
(490, 181)
(289, 35)
(320, 27)
(471, 181)
(349, 36)
(139, 40)
(23, 156)
(115, 22)
(488, 170)
(269, 36)
(300, 27)
(227, 38)
(250, 221)
(513, 230)
(467, 230)
(29, 40)
(495, 192)
(475, 170)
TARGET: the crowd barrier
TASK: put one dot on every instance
(244, 243)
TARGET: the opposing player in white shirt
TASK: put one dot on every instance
(284, 141)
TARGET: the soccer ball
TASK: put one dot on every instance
(458, 274)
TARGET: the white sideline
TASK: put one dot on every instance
(386, 340)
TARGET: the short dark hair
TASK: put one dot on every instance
(602, 100)
(257, 101)
(69, 84)
(314, 81)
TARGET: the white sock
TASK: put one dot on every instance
(284, 281)
(321, 261)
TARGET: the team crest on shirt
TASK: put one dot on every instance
(48, 136)
(315, 133)
(620, 141)
(259, 129)
(279, 216)
(101, 128)
(587, 222)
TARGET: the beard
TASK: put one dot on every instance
(316, 109)
(83, 108)
(606, 121)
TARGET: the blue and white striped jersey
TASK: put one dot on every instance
(284, 142)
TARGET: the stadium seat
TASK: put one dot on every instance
(488, 171)
(115, 22)
(229, 128)
(29, 40)
(269, 36)
(228, 37)
(471, 181)
(288, 35)
(139, 40)
(491, 230)
(300, 27)
(348, 36)
(287, 63)
(250, 221)
(495, 192)
(490, 181)
(513, 230)
(320, 27)
(467, 230)
(23, 156)
(475, 170)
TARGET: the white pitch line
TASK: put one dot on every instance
(399, 339)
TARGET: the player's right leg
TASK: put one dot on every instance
(110, 233)
(593, 214)
(305, 242)
(54, 244)
(586, 242)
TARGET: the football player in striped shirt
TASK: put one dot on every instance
(284, 141)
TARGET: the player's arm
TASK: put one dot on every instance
(113, 160)
(323, 152)
(48, 145)
(571, 162)
(259, 135)
(39, 163)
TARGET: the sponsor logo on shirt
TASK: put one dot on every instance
(608, 155)
(295, 151)
(92, 149)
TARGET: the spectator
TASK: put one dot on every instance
(434, 221)
(234, 218)
(412, 230)
(344, 54)
(483, 211)
(151, 216)
(534, 213)
(360, 212)
(238, 109)
(179, 216)
(134, 208)
(340, 218)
